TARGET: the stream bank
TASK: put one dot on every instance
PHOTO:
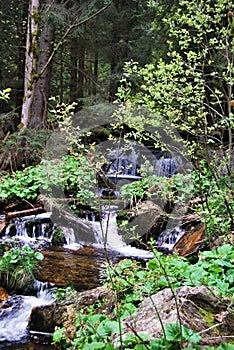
(74, 263)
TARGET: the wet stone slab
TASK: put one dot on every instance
(78, 268)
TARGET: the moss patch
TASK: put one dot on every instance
(207, 315)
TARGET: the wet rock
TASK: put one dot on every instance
(45, 318)
(196, 308)
(149, 219)
(3, 294)
(80, 268)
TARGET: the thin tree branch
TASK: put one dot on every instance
(208, 329)
(72, 26)
(221, 337)
(138, 336)
(50, 5)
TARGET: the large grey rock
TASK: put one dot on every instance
(195, 307)
(149, 219)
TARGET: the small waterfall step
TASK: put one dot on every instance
(30, 228)
(185, 239)
(16, 310)
(106, 235)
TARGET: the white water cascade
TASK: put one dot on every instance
(30, 228)
(167, 239)
(107, 235)
(33, 230)
(15, 313)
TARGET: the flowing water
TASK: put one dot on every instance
(15, 313)
(168, 238)
(31, 229)
(127, 162)
(106, 233)
(37, 231)
(75, 262)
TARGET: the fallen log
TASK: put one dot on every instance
(62, 215)
(35, 210)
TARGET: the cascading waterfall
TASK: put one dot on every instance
(38, 228)
(106, 234)
(15, 313)
(127, 164)
(121, 163)
(165, 166)
(70, 239)
(167, 239)
(105, 231)
(124, 168)
(30, 228)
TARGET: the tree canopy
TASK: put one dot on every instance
(173, 58)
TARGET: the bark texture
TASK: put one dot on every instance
(30, 60)
(42, 85)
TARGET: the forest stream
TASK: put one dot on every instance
(77, 262)
(72, 264)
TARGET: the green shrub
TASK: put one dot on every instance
(71, 174)
(17, 267)
(217, 201)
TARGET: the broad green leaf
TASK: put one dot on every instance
(39, 256)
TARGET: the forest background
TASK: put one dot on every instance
(171, 58)
(174, 58)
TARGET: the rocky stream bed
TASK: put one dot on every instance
(80, 266)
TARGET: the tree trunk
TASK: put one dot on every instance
(95, 74)
(61, 71)
(42, 86)
(30, 60)
(88, 73)
(20, 59)
(74, 70)
(113, 82)
(80, 94)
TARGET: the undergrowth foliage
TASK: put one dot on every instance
(72, 174)
(132, 283)
(17, 266)
(22, 149)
